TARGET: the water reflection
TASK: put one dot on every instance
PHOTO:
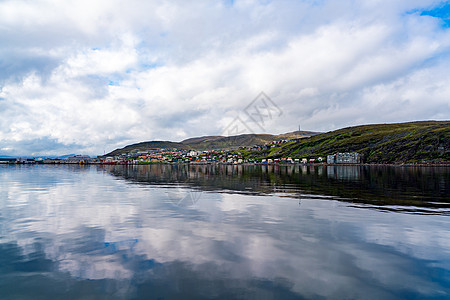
(381, 186)
(79, 232)
(348, 173)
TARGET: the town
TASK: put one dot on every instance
(177, 156)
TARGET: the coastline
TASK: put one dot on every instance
(431, 164)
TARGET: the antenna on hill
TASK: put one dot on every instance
(298, 127)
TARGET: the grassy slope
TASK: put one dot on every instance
(212, 142)
(229, 142)
(148, 145)
(385, 143)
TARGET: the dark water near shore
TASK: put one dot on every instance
(224, 232)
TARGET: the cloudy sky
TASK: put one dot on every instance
(90, 76)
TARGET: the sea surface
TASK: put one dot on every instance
(224, 232)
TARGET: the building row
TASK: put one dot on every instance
(344, 158)
(188, 156)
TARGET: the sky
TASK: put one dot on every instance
(87, 77)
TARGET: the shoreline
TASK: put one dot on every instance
(443, 164)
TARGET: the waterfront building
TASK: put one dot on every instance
(75, 159)
(344, 158)
(25, 160)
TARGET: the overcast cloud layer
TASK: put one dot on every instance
(90, 76)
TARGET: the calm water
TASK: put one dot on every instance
(224, 232)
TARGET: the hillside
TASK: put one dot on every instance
(243, 140)
(228, 142)
(213, 142)
(148, 145)
(382, 143)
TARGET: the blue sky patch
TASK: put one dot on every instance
(441, 12)
(228, 3)
(151, 65)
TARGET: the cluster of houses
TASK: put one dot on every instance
(174, 156)
(188, 156)
(267, 146)
(218, 156)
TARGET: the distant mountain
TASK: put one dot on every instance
(380, 143)
(227, 142)
(213, 142)
(147, 146)
(59, 157)
(243, 140)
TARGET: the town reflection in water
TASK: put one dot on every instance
(223, 232)
(376, 185)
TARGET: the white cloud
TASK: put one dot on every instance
(91, 76)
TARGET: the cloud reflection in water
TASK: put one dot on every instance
(80, 231)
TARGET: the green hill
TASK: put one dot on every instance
(243, 140)
(381, 143)
(148, 145)
(213, 142)
(224, 142)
